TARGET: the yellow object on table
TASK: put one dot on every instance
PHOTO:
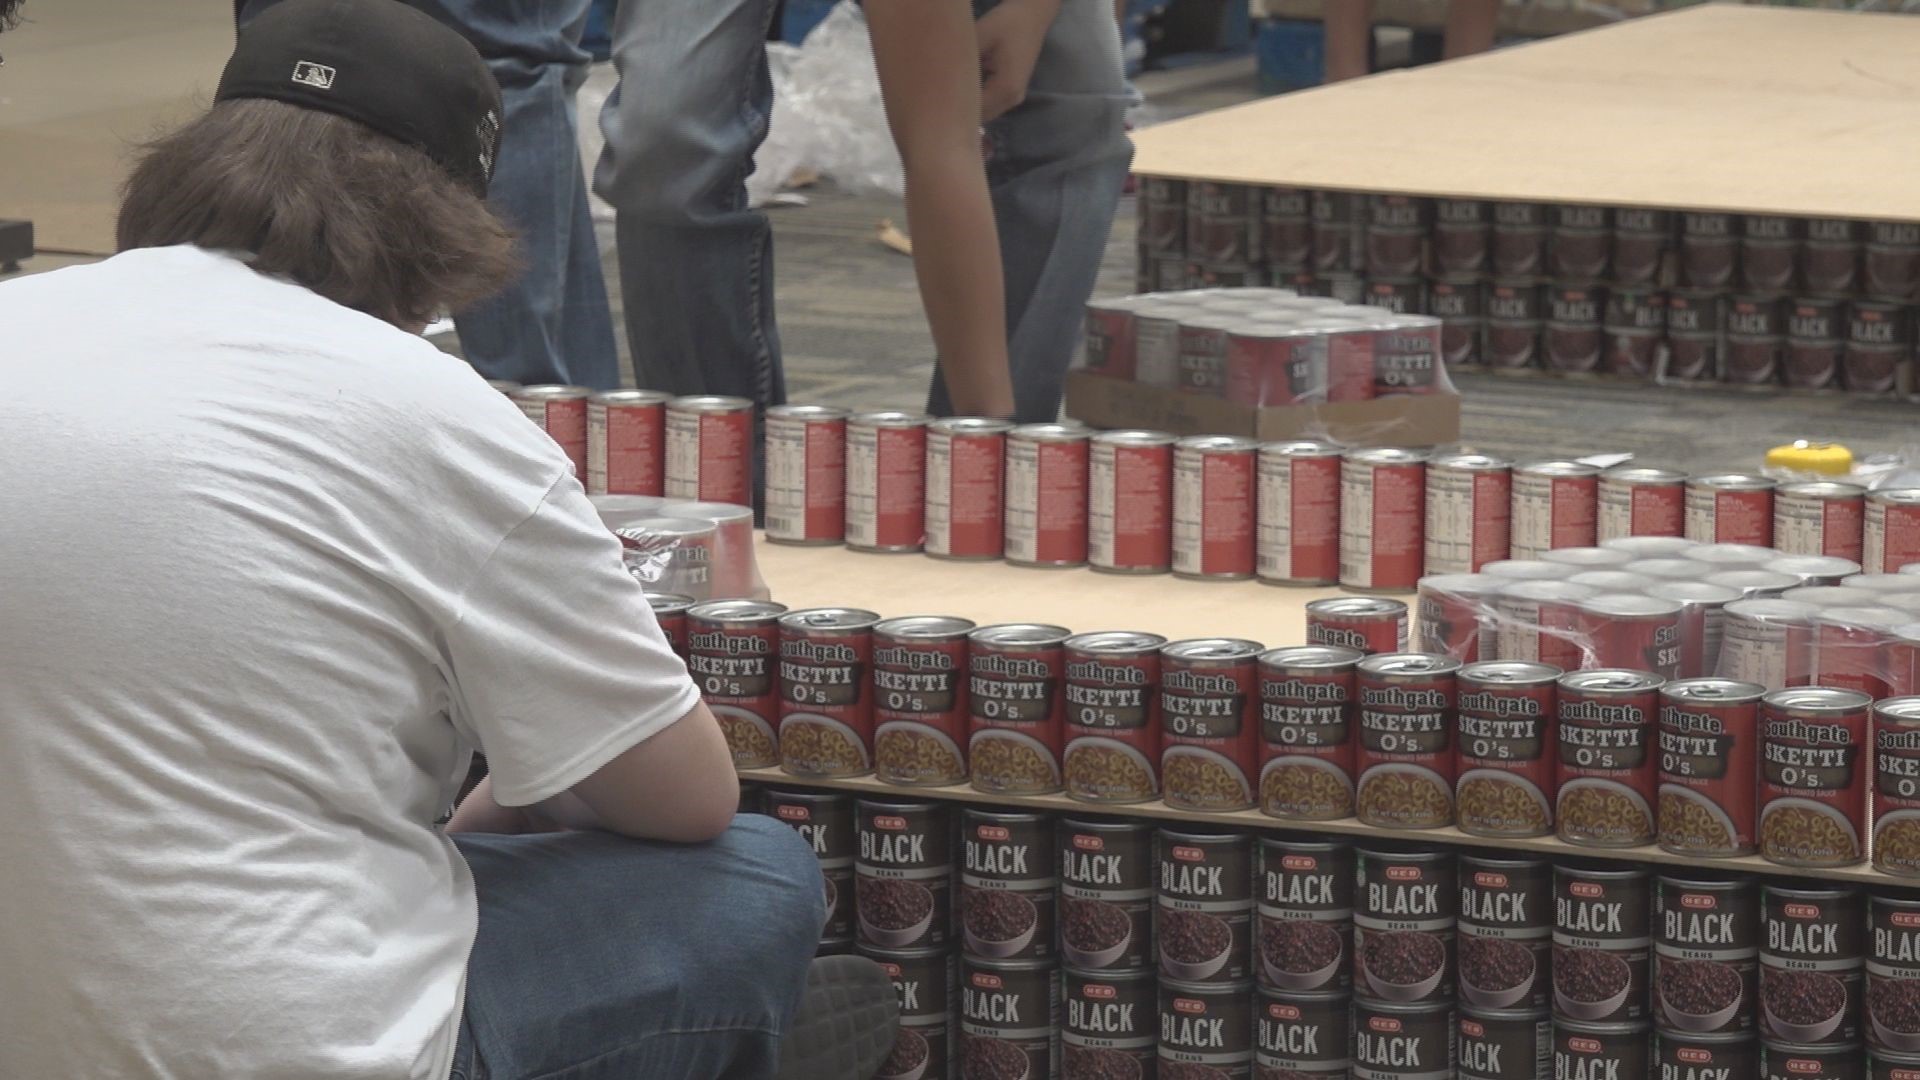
(1827, 459)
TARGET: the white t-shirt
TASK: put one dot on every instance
(268, 568)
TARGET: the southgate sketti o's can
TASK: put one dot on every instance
(1369, 624)
(1209, 723)
(710, 449)
(920, 699)
(561, 412)
(1016, 707)
(886, 481)
(1213, 507)
(1469, 510)
(1639, 633)
(826, 697)
(1130, 502)
(1819, 517)
(1891, 537)
(1455, 615)
(1607, 772)
(627, 442)
(1299, 513)
(1113, 716)
(806, 490)
(1506, 752)
(1555, 505)
(1709, 753)
(733, 650)
(1730, 508)
(966, 487)
(1636, 500)
(670, 610)
(1405, 753)
(1382, 518)
(1306, 732)
(1046, 515)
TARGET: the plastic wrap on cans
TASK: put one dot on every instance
(1891, 530)
(1607, 775)
(1382, 518)
(886, 481)
(561, 412)
(1406, 356)
(806, 485)
(1306, 732)
(1668, 569)
(1016, 707)
(1298, 513)
(1587, 558)
(1540, 621)
(670, 554)
(1213, 507)
(1767, 642)
(670, 611)
(1275, 363)
(1210, 735)
(1469, 502)
(1506, 751)
(1814, 761)
(920, 678)
(1202, 361)
(733, 649)
(1651, 547)
(1848, 649)
(1555, 505)
(1109, 348)
(627, 442)
(1405, 754)
(1046, 511)
(1753, 584)
(1702, 621)
(710, 449)
(1113, 716)
(826, 700)
(1731, 556)
(1369, 624)
(1157, 344)
(1638, 500)
(1130, 502)
(1612, 581)
(1730, 508)
(1895, 792)
(1814, 569)
(1455, 615)
(966, 487)
(736, 573)
(1527, 570)
(1709, 754)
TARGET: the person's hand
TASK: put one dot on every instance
(1010, 36)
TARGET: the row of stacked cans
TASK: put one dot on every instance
(643, 442)
(1686, 296)
(1096, 948)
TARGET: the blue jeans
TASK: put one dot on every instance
(603, 958)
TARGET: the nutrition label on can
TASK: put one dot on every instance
(805, 480)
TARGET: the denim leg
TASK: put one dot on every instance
(603, 958)
(696, 264)
(1058, 162)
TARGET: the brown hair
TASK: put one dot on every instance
(359, 218)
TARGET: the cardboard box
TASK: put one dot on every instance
(1424, 420)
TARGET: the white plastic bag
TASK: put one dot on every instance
(827, 115)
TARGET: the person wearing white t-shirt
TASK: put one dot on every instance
(271, 567)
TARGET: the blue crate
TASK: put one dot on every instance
(1291, 55)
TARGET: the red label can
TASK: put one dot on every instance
(1046, 518)
(966, 487)
(1506, 752)
(1634, 500)
(1702, 622)
(1638, 633)
(1849, 646)
(1213, 507)
(1895, 795)
(1274, 364)
(1016, 712)
(1405, 756)
(826, 703)
(1306, 732)
(1130, 502)
(806, 489)
(1210, 741)
(1606, 772)
(561, 412)
(710, 449)
(1813, 776)
(1109, 337)
(1369, 624)
(1709, 754)
(920, 699)
(1555, 505)
(1820, 517)
(1541, 621)
(1349, 355)
(1383, 502)
(627, 442)
(1456, 615)
(733, 648)
(1469, 508)
(670, 611)
(1113, 716)
(1299, 513)
(1891, 533)
(1730, 508)
(886, 481)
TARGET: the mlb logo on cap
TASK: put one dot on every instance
(318, 76)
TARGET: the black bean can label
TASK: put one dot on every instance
(1302, 1035)
(1203, 917)
(1889, 1065)
(1009, 1018)
(1402, 1042)
(825, 821)
(1007, 885)
(1782, 1061)
(903, 875)
(1506, 933)
(1111, 1024)
(1893, 974)
(924, 979)
(1601, 1051)
(1602, 943)
(1503, 1045)
(1812, 964)
(1403, 925)
(1706, 953)
(1107, 877)
(1678, 1056)
(1303, 916)
(1206, 1031)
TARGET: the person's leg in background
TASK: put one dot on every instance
(1057, 163)
(1348, 26)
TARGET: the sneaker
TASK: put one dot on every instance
(845, 1025)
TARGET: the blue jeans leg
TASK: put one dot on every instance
(1058, 162)
(603, 958)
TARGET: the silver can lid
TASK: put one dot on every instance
(1310, 657)
(889, 419)
(738, 611)
(1135, 437)
(972, 425)
(1223, 650)
(931, 627)
(710, 403)
(1116, 642)
(829, 618)
(807, 412)
(630, 397)
(1020, 635)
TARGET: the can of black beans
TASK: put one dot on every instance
(903, 874)
(824, 819)
(923, 978)
(1892, 1065)
(1107, 873)
(1394, 1041)
(1206, 1031)
(1303, 916)
(1600, 1051)
(1678, 1055)
(1007, 879)
(1601, 942)
(1812, 958)
(1503, 1044)
(1506, 933)
(1706, 951)
(1893, 973)
(1784, 1061)
(1403, 924)
(1009, 1019)
(1301, 1036)
(1203, 911)
(1110, 1027)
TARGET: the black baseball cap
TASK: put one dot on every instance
(382, 64)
